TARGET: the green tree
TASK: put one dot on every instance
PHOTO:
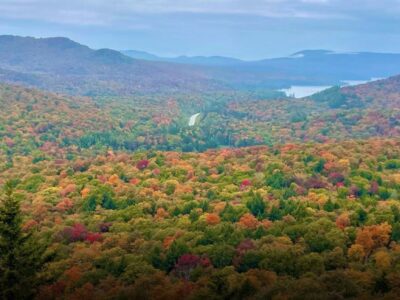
(103, 196)
(231, 213)
(396, 232)
(312, 262)
(329, 206)
(221, 255)
(107, 201)
(256, 205)
(20, 256)
(176, 250)
(90, 204)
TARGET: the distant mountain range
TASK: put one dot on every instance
(62, 65)
(304, 67)
(194, 60)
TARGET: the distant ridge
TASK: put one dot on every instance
(184, 59)
(62, 65)
(306, 67)
(379, 93)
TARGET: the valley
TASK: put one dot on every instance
(133, 176)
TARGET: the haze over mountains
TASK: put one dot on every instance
(62, 65)
(265, 167)
(183, 59)
(172, 176)
(314, 66)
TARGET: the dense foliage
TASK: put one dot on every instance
(20, 256)
(32, 120)
(131, 202)
(292, 221)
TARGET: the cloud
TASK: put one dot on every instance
(108, 12)
(243, 28)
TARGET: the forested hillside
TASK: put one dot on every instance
(227, 156)
(126, 200)
(292, 221)
(32, 120)
(62, 65)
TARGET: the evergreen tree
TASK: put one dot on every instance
(329, 206)
(256, 205)
(90, 204)
(20, 257)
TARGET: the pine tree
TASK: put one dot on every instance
(256, 205)
(20, 257)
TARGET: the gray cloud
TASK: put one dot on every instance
(103, 12)
(242, 28)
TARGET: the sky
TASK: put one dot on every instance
(247, 29)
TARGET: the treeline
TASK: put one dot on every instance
(32, 120)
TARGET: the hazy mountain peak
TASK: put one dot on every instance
(214, 60)
(138, 54)
(111, 56)
(57, 42)
(61, 64)
(61, 42)
(315, 52)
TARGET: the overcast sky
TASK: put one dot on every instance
(249, 29)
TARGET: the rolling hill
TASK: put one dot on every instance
(62, 65)
(379, 94)
(302, 220)
(118, 199)
(36, 118)
(308, 67)
(183, 59)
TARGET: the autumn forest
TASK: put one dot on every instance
(124, 178)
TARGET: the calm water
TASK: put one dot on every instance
(357, 82)
(298, 91)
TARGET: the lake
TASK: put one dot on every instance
(298, 91)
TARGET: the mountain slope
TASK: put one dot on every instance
(191, 60)
(141, 55)
(60, 64)
(308, 67)
(380, 94)
(337, 66)
(32, 119)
